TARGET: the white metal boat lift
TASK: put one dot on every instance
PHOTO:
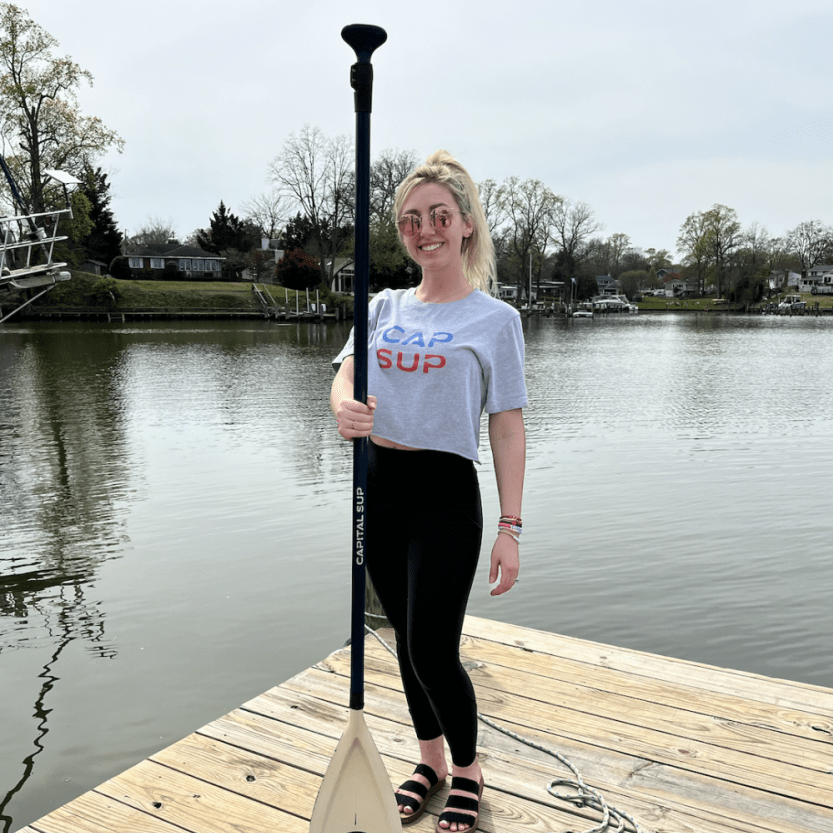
(27, 246)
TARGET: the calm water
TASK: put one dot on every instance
(174, 517)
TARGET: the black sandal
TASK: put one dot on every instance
(418, 805)
(462, 802)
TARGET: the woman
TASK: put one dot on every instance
(439, 355)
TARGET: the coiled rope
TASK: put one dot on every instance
(612, 821)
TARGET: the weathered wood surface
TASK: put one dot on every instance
(684, 748)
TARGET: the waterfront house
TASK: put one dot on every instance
(676, 286)
(265, 259)
(783, 279)
(818, 279)
(606, 285)
(344, 273)
(190, 262)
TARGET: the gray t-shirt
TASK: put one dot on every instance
(434, 368)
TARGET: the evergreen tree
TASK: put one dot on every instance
(298, 232)
(228, 231)
(103, 243)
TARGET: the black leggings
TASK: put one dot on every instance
(424, 527)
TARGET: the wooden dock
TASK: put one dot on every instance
(682, 747)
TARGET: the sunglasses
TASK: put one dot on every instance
(410, 224)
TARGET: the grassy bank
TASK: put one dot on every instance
(650, 303)
(91, 292)
(86, 292)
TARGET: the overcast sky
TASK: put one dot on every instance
(647, 110)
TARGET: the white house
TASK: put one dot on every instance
(817, 278)
(606, 285)
(779, 278)
(675, 285)
(344, 274)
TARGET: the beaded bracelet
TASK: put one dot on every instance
(514, 519)
(510, 527)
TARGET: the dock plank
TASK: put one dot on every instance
(692, 743)
(803, 696)
(683, 747)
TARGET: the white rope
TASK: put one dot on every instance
(582, 795)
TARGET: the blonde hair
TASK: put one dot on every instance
(478, 251)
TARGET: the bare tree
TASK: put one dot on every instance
(617, 245)
(528, 207)
(268, 212)
(386, 174)
(153, 230)
(811, 242)
(493, 205)
(573, 224)
(314, 175)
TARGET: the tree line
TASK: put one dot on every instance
(539, 235)
(717, 252)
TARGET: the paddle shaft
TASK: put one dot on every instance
(363, 39)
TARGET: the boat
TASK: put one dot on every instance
(792, 305)
(614, 303)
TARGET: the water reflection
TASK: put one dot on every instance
(171, 498)
(64, 471)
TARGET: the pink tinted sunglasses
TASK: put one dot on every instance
(410, 224)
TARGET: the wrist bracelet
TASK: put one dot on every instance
(510, 527)
(510, 534)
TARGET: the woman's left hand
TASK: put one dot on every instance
(506, 563)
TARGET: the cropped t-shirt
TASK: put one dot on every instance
(434, 368)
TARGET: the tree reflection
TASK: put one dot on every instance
(63, 472)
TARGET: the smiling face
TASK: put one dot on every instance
(435, 247)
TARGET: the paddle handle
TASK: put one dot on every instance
(364, 39)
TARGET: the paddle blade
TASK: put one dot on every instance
(356, 795)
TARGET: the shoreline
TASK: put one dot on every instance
(91, 297)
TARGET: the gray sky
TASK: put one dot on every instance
(647, 110)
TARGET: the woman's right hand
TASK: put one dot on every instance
(354, 418)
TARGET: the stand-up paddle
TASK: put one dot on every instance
(356, 794)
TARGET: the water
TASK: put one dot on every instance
(174, 517)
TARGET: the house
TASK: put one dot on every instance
(189, 261)
(676, 286)
(93, 267)
(550, 291)
(507, 292)
(820, 276)
(607, 285)
(266, 259)
(781, 278)
(344, 273)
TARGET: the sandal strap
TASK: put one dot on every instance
(407, 801)
(428, 773)
(460, 818)
(413, 787)
(417, 787)
(465, 785)
(462, 802)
